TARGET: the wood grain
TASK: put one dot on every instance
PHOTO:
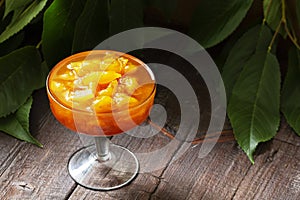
(29, 172)
(146, 182)
(286, 134)
(36, 173)
(275, 175)
(9, 147)
(216, 176)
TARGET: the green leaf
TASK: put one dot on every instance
(215, 20)
(58, 29)
(254, 105)
(92, 26)
(252, 81)
(273, 14)
(21, 18)
(290, 96)
(5, 21)
(11, 5)
(257, 38)
(125, 15)
(20, 73)
(17, 124)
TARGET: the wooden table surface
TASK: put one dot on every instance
(29, 172)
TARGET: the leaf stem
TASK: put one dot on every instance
(283, 20)
(274, 36)
(39, 44)
(294, 40)
(283, 16)
(267, 12)
(294, 34)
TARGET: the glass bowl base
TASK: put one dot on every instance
(119, 169)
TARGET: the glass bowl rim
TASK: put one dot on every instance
(94, 52)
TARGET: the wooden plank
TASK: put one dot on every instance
(140, 188)
(286, 134)
(7, 143)
(36, 173)
(275, 175)
(226, 173)
(9, 147)
(216, 176)
(146, 182)
(28, 172)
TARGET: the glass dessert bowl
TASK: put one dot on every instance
(101, 93)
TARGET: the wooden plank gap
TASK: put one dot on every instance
(160, 177)
(286, 142)
(44, 120)
(70, 192)
(11, 157)
(240, 182)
